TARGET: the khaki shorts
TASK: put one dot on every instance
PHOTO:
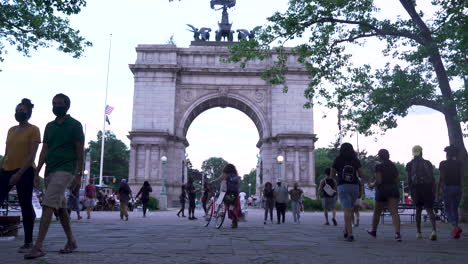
(56, 184)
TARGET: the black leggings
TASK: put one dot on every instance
(24, 189)
(145, 206)
(182, 207)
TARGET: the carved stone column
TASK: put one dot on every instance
(132, 165)
(147, 161)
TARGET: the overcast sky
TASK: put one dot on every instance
(49, 72)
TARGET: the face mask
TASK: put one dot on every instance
(21, 116)
(59, 111)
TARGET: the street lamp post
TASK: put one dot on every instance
(280, 163)
(162, 196)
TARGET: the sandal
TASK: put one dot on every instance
(69, 248)
(35, 253)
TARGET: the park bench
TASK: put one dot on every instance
(410, 209)
(403, 209)
(10, 205)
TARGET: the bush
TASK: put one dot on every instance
(367, 204)
(312, 205)
(153, 203)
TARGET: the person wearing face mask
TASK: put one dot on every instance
(17, 167)
(62, 152)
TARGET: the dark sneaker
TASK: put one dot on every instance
(334, 222)
(345, 235)
(326, 223)
(372, 233)
(350, 239)
(398, 237)
(26, 248)
(433, 236)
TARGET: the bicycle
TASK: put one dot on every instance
(217, 210)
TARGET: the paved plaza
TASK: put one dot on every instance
(162, 237)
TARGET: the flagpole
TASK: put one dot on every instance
(104, 119)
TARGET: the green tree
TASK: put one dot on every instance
(116, 158)
(249, 178)
(30, 24)
(214, 165)
(426, 54)
(1, 159)
(323, 159)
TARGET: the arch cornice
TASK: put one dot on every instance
(217, 99)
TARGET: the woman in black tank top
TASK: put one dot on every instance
(387, 193)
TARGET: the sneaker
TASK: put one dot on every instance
(350, 239)
(264, 222)
(326, 223)
(334, 222)
(26, 248)
(345, 235)
(433, 236)
(79, 217)
(126, 218)
(372, 233)
(398, 237)
(418, 235)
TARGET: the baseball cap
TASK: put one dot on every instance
(417, 150)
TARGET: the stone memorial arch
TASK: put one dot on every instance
(174, 85)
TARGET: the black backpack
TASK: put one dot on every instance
(232, 183)
(348, 174)
(421, 172)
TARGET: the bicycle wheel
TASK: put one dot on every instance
(210, 211)
(220, 215)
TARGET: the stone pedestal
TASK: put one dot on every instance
(162, 202)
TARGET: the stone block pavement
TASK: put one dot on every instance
(162, 237)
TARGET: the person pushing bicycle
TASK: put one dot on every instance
(231, 199)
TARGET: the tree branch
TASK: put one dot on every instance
(353, 38)
(378, 31)
(409, 7)
(429, 104)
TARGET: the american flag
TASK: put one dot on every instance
(109, 109)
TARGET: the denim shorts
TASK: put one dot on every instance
(348, 194)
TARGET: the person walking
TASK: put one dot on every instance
(231, 199)
(422, 184)
(17, 167)
(296, 202)
(328, 191)
(145, 195)
(182, 199)
(346, 168)
(90, 197)
(206, 195)
(451, 175)
(281, 201)
(73, 203)
(125, 194)
(192, 195)
(387, 193)
(357, 204)
(268, 201)
(62, 152)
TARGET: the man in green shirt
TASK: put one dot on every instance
(62, 152)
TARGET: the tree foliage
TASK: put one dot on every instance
(30, 24)
(429, 53)
(214, 166)
(249, 178)
(116, 158)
